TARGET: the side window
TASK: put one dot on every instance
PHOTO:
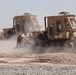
(58, 26)
(23, 24)
(51, 30)
(17, 27)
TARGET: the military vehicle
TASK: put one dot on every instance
(59, 30)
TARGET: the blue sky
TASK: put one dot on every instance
(41, 8)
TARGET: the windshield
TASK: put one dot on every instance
(72, 22)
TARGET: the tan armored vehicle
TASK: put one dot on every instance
(59, 30)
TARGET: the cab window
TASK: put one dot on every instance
(58, 26)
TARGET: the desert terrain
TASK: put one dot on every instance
(38, 64)
(25, 61)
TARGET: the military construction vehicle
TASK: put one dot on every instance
(59, 30)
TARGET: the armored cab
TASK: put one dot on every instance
(25, 23)
(60, 27)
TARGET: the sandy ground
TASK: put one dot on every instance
(22, 61)
(38, 64)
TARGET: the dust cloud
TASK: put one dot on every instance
(9, 46)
